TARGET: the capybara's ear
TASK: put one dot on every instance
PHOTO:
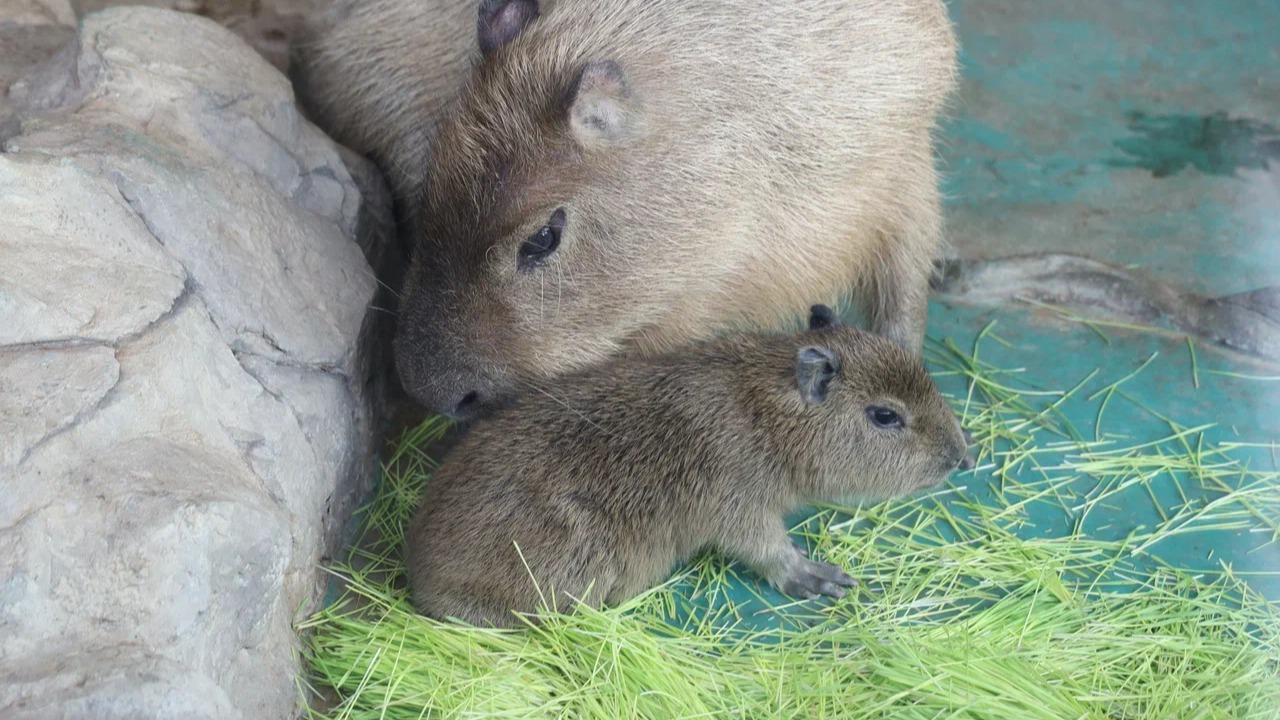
(598, 103)
(502, 20)
(822, 317)
(816, 367)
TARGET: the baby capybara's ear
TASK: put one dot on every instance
(822, 317)
(816, 367)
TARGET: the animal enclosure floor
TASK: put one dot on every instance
(1142, 135)
(1109, 330)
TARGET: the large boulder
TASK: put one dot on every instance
(188, 373)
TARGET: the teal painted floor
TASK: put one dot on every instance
(1155, 400)
(1141, 134)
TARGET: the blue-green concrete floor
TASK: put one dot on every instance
(1140, 134)
(1143, 134)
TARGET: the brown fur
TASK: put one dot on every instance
(378, 75)
(746, 158)
(615, 474)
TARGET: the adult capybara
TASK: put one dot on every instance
(629, 175)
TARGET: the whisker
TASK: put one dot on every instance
(559, 286)
(378, 280)
(566, 406)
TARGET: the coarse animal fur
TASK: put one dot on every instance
(714, 165)
(613, 475)
(379, 75)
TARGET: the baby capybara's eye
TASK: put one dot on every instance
(885, 418)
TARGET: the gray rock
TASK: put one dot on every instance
(31, 31)
(37, 12)
(44, 391)
(187, 378)
(80, 268)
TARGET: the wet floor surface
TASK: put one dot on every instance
(1141, 136)
(1120, 161)
(1138, 132)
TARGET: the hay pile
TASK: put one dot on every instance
(966, 609)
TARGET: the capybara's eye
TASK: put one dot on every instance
(885, 418)
(538, 246)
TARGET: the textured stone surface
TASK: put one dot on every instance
(37, 12)
(270, 26)
(185, 373)
(43, 391)
(87, 240)
(31, 31)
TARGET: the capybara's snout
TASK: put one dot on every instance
(441, 374)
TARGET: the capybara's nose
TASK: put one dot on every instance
(443, 383)
(466, 406)
(454, 400)
(966, 458)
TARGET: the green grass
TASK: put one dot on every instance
(963, 609)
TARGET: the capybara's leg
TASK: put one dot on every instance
(897, 291)
(763, 545)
